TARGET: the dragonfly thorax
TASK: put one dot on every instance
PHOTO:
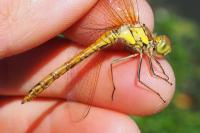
(135, 36)
(139, 38)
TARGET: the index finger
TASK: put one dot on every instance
(21, 74)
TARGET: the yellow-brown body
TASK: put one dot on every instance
(137, 37)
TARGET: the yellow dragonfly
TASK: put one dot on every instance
(127, 29)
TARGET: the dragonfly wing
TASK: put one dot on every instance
(106, 15)
(121, 11)
(84, 86)
(117, 12)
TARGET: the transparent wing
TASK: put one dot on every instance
(106, 15)
(83, 86)
(117, 12)
(121, 11)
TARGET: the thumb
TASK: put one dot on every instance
(27, 24)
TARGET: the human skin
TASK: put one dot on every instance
(21, 67)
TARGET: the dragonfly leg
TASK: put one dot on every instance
(163, 71)
(111, 68)
(161, 68)
(139, 72)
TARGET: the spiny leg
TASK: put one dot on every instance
(139, 71)
(111, 67)
(163, 71)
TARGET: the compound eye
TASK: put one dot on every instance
(163, 46)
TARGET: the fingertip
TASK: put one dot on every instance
(139, 100)
(53, 116)
(111, 121)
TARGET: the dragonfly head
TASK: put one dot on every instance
(163, 46)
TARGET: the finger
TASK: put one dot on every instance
(54, 116)
(130, 96)
(26, 24)
(98, 16)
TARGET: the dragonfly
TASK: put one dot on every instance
(126, 28)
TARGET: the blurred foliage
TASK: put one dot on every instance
(187, 8)
(183, 114)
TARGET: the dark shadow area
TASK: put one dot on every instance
(16, 70)
(4, 100)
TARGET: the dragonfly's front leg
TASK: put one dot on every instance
(139, 78)
(163, 71)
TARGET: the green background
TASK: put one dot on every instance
(180, 20)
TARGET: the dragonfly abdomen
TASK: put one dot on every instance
(105, 40)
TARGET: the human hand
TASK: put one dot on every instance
(27, 24)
